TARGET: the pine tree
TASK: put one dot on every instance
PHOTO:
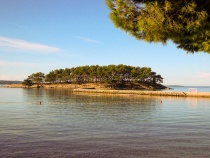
(185, 22)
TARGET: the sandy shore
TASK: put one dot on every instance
(153, 93)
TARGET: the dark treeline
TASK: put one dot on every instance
(9, 82)
(113, 75)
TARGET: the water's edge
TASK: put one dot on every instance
(155, 93)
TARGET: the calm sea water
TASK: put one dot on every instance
(96, 125)
(187, 88)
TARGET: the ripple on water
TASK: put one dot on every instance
(69, 125)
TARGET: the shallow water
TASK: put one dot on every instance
(97, 125)
(187, 88)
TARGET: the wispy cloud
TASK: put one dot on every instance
(16, 64)
(87, 39)
(11, 44)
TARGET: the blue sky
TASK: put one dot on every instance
(43, 35)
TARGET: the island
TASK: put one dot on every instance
(120, 77)
(114, 79)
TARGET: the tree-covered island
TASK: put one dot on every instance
(112, 76)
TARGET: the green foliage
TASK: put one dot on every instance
(186, 23)
(112, 74)
(27, 82)
(37, 77)
(51, 77)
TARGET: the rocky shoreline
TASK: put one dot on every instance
(151, 93)
(70, 86)
(100, 88)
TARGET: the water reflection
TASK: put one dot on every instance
(192, 102)
(99, 125)
(92, 108)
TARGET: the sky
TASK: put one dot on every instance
(44, 35)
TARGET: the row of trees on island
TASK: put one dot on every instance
(113, 75)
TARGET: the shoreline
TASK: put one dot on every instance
(95, 86)
(59, 85)
(150, 93)
(99, 88)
